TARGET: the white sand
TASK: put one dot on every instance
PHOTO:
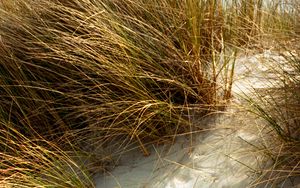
(217, 158)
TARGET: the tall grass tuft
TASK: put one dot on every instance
(121, 70)
(110, 75)
(279, 106)
(28, 162)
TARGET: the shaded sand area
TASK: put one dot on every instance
(225, 154)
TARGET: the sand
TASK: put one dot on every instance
(223, 155)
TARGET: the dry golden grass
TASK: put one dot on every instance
(279, 106)
(90, 75)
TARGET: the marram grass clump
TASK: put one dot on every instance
(280, 107)
(90, 76)
(121, 70)
(27, 162)
(82, 76)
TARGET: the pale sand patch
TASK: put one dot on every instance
(220, 157)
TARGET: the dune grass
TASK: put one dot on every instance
(279, 106)
(106, 75)
(28, 162)
(95, 78)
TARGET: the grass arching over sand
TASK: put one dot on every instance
(279, 106)
(85, 76)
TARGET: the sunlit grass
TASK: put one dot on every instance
(84, 76)
(28, 162)
(279, 106)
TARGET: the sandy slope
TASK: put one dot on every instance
(220, 156)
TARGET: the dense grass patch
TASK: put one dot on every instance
(96, 75)
(38, 163)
